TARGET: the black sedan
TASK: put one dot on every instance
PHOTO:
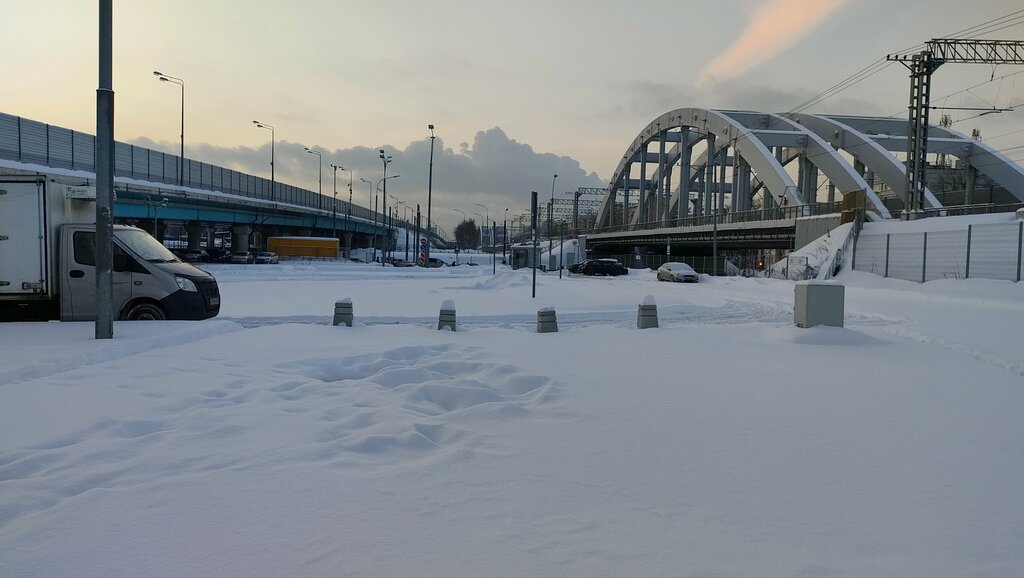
(599, 267)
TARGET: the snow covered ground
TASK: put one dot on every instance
(727, 442)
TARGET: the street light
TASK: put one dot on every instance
(383, 181)
(551, 223)
(334, 204)
(430, 188)
(482, 218)
(348, 220)
(156, 215)
(172, 79)
(487, 219)
(319, 176)
(273, 183)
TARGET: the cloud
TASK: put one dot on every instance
(493, 170)
(771, 30)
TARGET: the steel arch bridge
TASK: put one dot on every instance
(854, 153)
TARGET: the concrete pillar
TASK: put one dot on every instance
(831, 192)
(721, 178)
(240, 237)
(642, 208)
(660, 189)
(547, 321)
(194, 231)
(210, 235)
(625, 192)
(343, 312)
(684, 174)
(972, 179)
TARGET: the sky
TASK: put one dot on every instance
(517, 91)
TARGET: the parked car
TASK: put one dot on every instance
(243, 257)
(599, 267)
(267, 257)
(677, 272)
(196, 256)
(435, 262)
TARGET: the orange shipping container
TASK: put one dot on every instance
(309, 247)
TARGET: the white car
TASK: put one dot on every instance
(677, 272)
(267, 257)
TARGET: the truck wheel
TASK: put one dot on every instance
(145, 312)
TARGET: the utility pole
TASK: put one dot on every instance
(105, 176)
(937, 52)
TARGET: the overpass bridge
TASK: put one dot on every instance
(198, 195)
(745, 178)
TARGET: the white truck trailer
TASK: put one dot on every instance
(48, 264)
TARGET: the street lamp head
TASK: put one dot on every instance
(164, 79)
(157, 73)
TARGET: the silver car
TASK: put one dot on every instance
(677, 272)
(267, 257)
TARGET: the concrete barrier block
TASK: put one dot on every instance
(446, 319)
(343, 312)
(547, 321)
(646, 316)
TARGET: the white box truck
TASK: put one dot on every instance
(48, 265)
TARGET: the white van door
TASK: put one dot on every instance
(78, 301)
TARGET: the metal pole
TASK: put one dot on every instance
(533, 226)
(494, 254)
(561, 248)
(551, 212)
(430, 189)
(105, 176)
(180, 178)
(334, 206)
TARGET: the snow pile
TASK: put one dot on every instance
(728, 442)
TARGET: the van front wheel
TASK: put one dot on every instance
(145, 312)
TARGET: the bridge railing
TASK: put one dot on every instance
(770, 214)
(34, 142)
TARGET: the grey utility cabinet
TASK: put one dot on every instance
(819, 303)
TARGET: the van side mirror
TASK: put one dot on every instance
(120, 262)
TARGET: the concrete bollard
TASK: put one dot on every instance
(547, 321)
(343, 312)
(447, 316)
(647, 313)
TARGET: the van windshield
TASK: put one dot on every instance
(145, 246)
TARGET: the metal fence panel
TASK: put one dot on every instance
(947, 255)
(122, 159)
(871, 254)
(906, 251)
(33, 142)
(9, 145)
(61, 144)
(994, 251)
(85, 151)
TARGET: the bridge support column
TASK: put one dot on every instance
(194, 230)
(723, 167)
(683, 208)
(240, 237)
(831, 192)
(210, 232)
(642, 206)
(972, 179)
(625, 188)
(660, 190)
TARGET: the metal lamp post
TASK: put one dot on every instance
(481, 228)
(487, 219)
(172, 79)
(551, 212)
(156, 216)
(430, 189)
(273, 182)
(319, 176)
(385, 160)
(383, 181)
(334, 205)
